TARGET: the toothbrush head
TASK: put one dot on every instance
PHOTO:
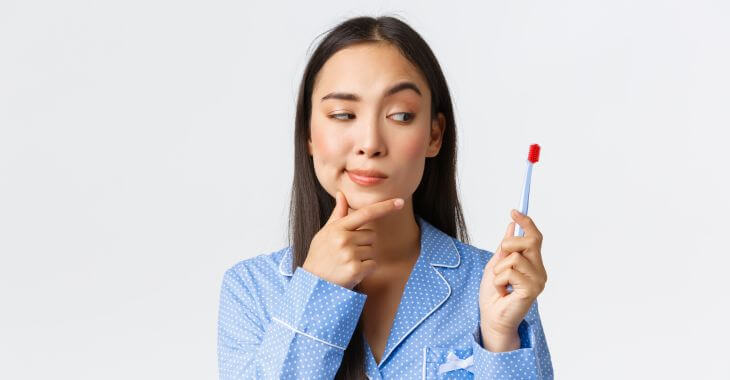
(534, 154)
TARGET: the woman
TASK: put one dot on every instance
(374, 282)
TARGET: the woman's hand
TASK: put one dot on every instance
(339, 252)
(518, 262)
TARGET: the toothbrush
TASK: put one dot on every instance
(532, 158)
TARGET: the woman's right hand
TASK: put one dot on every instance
(339, 252)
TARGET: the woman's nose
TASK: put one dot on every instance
(370, 152)
(371, 142)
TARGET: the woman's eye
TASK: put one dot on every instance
(407, 115)
(404, 116)
(337, 116)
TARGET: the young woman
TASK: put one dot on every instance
(375, 282)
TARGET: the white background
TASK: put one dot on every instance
(147, 146)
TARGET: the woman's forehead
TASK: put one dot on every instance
(368, 69)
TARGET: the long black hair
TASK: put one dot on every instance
(435, 200)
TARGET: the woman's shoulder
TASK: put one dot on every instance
(264, 267)
(471, 254)
(467, 256)
(254, 285)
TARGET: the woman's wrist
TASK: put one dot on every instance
(500, 342)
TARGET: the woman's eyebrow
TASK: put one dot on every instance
(398, 87)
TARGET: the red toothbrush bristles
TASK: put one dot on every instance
(534, 154)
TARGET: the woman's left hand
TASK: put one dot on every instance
(518, 262)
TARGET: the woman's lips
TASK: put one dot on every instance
(364, 180)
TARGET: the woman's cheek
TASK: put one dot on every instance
(331, 150)
(328, 156)
(414, 148)
(413, 151)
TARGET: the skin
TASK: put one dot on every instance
(393, 133)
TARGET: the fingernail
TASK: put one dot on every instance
(514, 211)
(398, 203)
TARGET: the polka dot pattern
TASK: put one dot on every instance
(277, 323)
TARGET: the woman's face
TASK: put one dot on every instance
(358, 123)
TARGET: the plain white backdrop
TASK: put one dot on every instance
(147, 146)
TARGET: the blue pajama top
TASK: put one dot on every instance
(274, 323)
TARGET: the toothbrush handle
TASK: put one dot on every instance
(525, 197)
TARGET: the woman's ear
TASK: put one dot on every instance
(309, 146)
(438, 125)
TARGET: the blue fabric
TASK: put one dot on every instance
(277, 323)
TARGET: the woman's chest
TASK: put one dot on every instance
(380, 310)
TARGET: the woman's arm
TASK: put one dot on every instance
(305, 338)
(530, 361)
(506, 314)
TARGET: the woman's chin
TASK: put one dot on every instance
(360, 199)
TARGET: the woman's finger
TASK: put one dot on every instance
(370, 213)
(362, 237)
(518, 280)
(527, 224)
(528, 245)
(516, 261)
(498, 252)
(364, 252)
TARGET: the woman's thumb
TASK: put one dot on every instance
(340, 209)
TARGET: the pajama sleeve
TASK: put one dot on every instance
(304, 336)
(530, 361)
